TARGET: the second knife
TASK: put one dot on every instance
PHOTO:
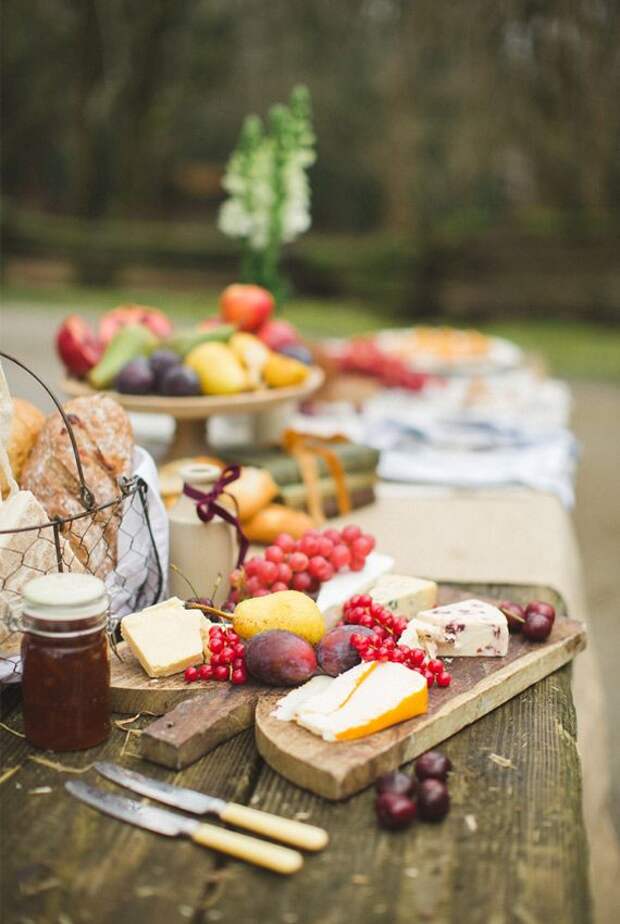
(287, 830)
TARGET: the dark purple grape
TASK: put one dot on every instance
(394, 811)
(297, 351)
(433, 765)
(180, 382)
(160, 362)
(536, 627)
(433, 800)
(136, 378)
(514, 615)
(400, 783)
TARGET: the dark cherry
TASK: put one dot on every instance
(545, 609)
(536, 627)
(204, 601)
(433, 765)
(514, 615)
(394, 811)
(433, 800)
(400, 783)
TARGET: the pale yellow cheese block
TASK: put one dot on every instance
(166, 638)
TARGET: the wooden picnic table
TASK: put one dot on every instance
(513, 847)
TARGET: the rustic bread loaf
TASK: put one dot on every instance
(266, 525)
(105, 444)
(26, 424)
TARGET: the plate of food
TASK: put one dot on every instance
(450, 351)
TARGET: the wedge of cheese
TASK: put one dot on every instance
(405, 596)
(365, 699)
(334, 593)
(471, 628)
(166, 638)
(287, 707)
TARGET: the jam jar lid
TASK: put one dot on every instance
(64, 597)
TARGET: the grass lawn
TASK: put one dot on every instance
(572, 349)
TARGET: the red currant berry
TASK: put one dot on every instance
(220, 672)
(205, 672)
(251, 566)
(316, 565)
(367, 620)
(301, 581)
(444, 679)
(191, 674)
(253, 585)
(263, 592)
(226, 655)
(435, 666)
(268, 572)
(362, 546)
(418, 656)
(309, 545)
(430, 678)
(285, 573)
(357, 564)
(278, 586)
(340, 557)
(275, 554)
(239, 650)
(286, 542)
(238, 663)
(333, 535)
(351, 533)
(380, 632)
(326, 547)
(238, 676)
(298, 561)
(216, 643)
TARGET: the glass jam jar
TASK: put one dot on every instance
(65, 662)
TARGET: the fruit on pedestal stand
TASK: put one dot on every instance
(277, 334)
(151, 318)
(218, 369)
(280, 658)
(180, 382)
(246, 306)
(77, 345)
(160, 362)
(184, 341)
(281, 371)
(136, 378)
(251, 353)
(129, 343)
(297, 351)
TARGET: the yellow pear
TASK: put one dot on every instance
(286, 609)
(251, 353)
(218, 369)
(282, 371)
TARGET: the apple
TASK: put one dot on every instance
(78, 346)
(246, 306)
(112, 321)
(277, 334)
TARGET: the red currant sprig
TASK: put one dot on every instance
(384, 648)
(227, 659)
(361, 610)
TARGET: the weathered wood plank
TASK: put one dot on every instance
(526, 860)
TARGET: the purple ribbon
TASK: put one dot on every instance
(207, 506)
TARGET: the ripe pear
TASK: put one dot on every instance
(218, 369)
(281, 371)
(251, 353)
(286, 609)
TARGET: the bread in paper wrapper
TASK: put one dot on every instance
(105, 443)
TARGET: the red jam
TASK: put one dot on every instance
(66, 676)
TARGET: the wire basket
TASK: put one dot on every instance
(135, 577)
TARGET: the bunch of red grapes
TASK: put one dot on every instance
(364, 357)
(227, 658)
(382, 645)
(302, 564)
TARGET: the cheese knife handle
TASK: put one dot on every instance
(308, 837)
(252, 849)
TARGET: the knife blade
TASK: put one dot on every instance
(161, 821)
(296, 833)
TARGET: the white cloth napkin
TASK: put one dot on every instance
(134, 543)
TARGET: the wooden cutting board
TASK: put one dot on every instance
(336, 770)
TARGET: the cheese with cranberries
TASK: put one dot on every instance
(470, 628)
(404, 596)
